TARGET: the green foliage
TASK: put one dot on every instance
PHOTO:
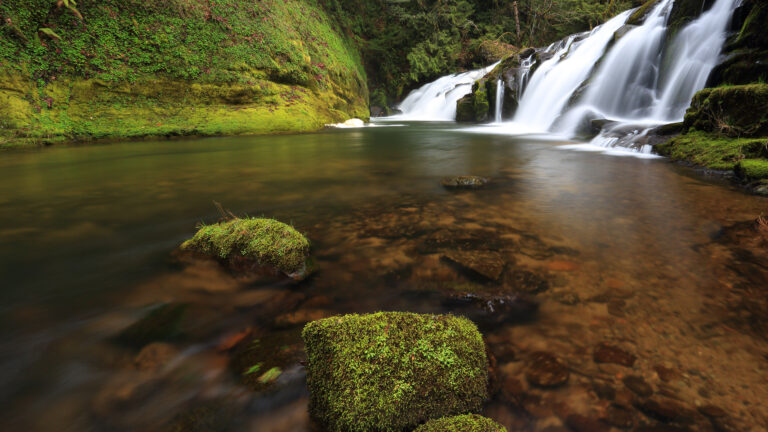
(734, 111)
(267, 241)
(462, 423)
(390, 371)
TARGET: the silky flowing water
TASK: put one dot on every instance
(646, 255)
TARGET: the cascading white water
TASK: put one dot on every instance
(499, 100)
(436, 101)
(556, 79)
(634, 85)
(523, 72)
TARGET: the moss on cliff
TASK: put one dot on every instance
(737, 111)
(712, 150)
(180, 67)
(391, 371)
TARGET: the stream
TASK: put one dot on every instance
(654, 258)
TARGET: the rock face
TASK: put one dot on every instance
(474, 107)
(462, 423)
(254, 244)
(393, 370)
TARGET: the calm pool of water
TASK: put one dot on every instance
(631, 252)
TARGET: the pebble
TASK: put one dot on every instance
(606, 353)
(545, 370)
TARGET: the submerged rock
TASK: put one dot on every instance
(487, 264)
(464, 182)
(162, 323)
(393, 370)
(254, 244)
(606, 353)
(462, 423)
(492, 309)
(545, 370)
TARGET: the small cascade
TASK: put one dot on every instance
(499, 100)
(523, 72)
(436, 101)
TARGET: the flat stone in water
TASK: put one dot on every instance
(665, 409)
(485, 263)
(545, 370)
(526, 282)
(580, 423)
(606, 353)
(464, 182)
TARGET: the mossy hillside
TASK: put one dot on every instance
(130, 51)
(462, 423)
(266, 241)
(391, 371)
(712, 150)
(737, 111)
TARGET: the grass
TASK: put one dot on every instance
(391, 371)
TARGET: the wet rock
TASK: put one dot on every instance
(619, 416)
(662, 428)
(446, 239)
(666, 374)
(464, 182)
(155, 356)
(638, 385)
(208, 416)
(484, 263)
(580, 423)
(545, 370)
(724, 424)
(606, 353)
(666, 410)
(712, 411)
(504, 352)
(524, 281)
(489, 309)
(616, 307)
(527, 52)
(231, 340)
(161, 323)
(604, 390)
(535, 248)
(513, 390)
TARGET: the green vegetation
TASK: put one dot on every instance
(712, 150)
(391, 371)
(462, 423)
(181, 67)
(266, 241)
(752, 169)
(735, 111)
(474, 107)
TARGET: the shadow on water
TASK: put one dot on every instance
(562, 252)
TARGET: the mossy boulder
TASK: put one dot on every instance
(752, 169)
(464, 182)
(474, 107)
(462, 423)
(712, 150)
(265, 243)
(391, 371)
(731, 110)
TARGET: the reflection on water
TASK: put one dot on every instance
(640, 254)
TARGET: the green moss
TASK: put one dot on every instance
(712, 150)
(462, 423)
(730, 110)
(391, 371)
(683, 12)
(266, 241)
(638, 16)
(180, 67)
(752, 169)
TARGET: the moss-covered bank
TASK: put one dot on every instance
(127, 69)
(391, 371)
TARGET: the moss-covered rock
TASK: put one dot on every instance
(731, 110)
(474, 107)
(266, 242)
(685, 11)
(462, 423)
(712, 150)
(752, 169)
(464, 182)
(391, 371)
(638, 16)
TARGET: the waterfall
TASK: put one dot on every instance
(436, 101)
(523, 72)
(553, 83)
(499, 100)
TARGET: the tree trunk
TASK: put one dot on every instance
(517, 21)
